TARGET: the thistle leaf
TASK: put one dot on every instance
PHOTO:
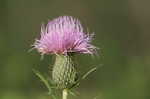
(84, 76)
(89, 72)
(72, 93)
(54, 97)
(44, 80)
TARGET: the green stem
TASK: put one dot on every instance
(64, 94)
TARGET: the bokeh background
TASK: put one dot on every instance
(122, 32)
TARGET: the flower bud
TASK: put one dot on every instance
(64, 73)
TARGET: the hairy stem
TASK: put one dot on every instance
(64, 94)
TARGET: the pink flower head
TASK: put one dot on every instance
(64, 35)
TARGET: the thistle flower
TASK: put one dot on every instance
(64, 35)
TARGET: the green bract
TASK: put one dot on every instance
(64, 73)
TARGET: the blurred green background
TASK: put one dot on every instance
(122, 29)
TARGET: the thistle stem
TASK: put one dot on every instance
(64, 94)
